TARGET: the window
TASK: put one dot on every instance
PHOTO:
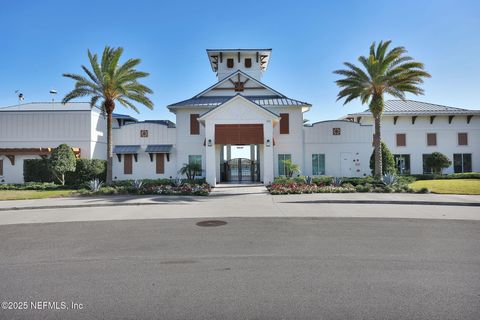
(195, 159)
(318, 164)
(160, 163)
(1, 167)
(248, 62)
(281, 166)
(424, 160)
(230, 63)
(284, 123)
(194, 124)
(463, 139)
(401, 139)
(336, 131)
(462, 162)
(127, 164)
(402, 162)
(431, 139)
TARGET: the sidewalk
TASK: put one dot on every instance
(250, 192)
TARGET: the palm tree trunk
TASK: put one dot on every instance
(109, 106)
(378, 148)
(376, 107)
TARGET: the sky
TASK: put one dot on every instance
(41, 40)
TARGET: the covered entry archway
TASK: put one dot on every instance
(239, 164)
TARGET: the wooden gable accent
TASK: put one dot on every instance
(127, 164)
(463, 139)
(431, 139)
(160, 163)
(284, 123)
(194, 124)
(239, 134)
(401, 139)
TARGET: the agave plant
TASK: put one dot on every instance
(177, 181)
(389, 179)
(336, 182)
(308, 180)
(95, 185)
(137, 184)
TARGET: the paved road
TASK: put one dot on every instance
(251, 268)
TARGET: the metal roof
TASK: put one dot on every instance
(123, 116)
(215, 101)
(167, 123)
(412, 107)
(159, 148)
(126, 149)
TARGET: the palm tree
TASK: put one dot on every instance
(107, 83)
(386, 72)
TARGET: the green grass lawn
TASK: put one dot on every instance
(449, 186)
(33, 194)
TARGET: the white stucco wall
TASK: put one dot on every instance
(416, 138)
(144, 168)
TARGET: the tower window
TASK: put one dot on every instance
(248, 62)
(230, 63)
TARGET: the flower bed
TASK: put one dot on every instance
(298, 188)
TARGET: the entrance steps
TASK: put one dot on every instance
(232, 189)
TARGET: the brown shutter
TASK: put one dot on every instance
(194, 124)
(229, 63)
(431, 139)
(239, 134)
(160, 163)
(284, 123)
(401, 140)
(1, 167)
(127, 164)
(462, 139)
(248, 63)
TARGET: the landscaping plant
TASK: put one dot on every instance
(62, 161)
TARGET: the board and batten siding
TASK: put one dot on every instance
(354, 140)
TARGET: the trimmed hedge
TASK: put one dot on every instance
(467, 175)
(87, 170)
(37, 170)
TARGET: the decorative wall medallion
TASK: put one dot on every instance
(143, 133)
(336, 131)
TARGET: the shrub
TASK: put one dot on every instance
(62, 161)
(87, 170)
(437, 162)
(388, 162)
(37, 170)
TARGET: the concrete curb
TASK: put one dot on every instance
(129, 204)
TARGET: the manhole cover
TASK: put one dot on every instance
(211, 223)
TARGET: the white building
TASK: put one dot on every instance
(240, 129)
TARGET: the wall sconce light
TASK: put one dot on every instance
(268, 143)
(209, 142)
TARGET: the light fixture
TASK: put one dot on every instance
(209, 142)
(268, 143)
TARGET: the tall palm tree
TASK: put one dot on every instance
(107, 83)
(386, 72)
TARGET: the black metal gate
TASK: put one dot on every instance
(240, 170)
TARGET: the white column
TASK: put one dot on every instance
(210, 163)
(268, 153)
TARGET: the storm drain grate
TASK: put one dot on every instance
(211, 223)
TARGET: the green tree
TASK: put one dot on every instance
(388, 161)
(290, 168)
(191, 170)
(437, 162)
(385, 72)
(109, 82)
(62, 161)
